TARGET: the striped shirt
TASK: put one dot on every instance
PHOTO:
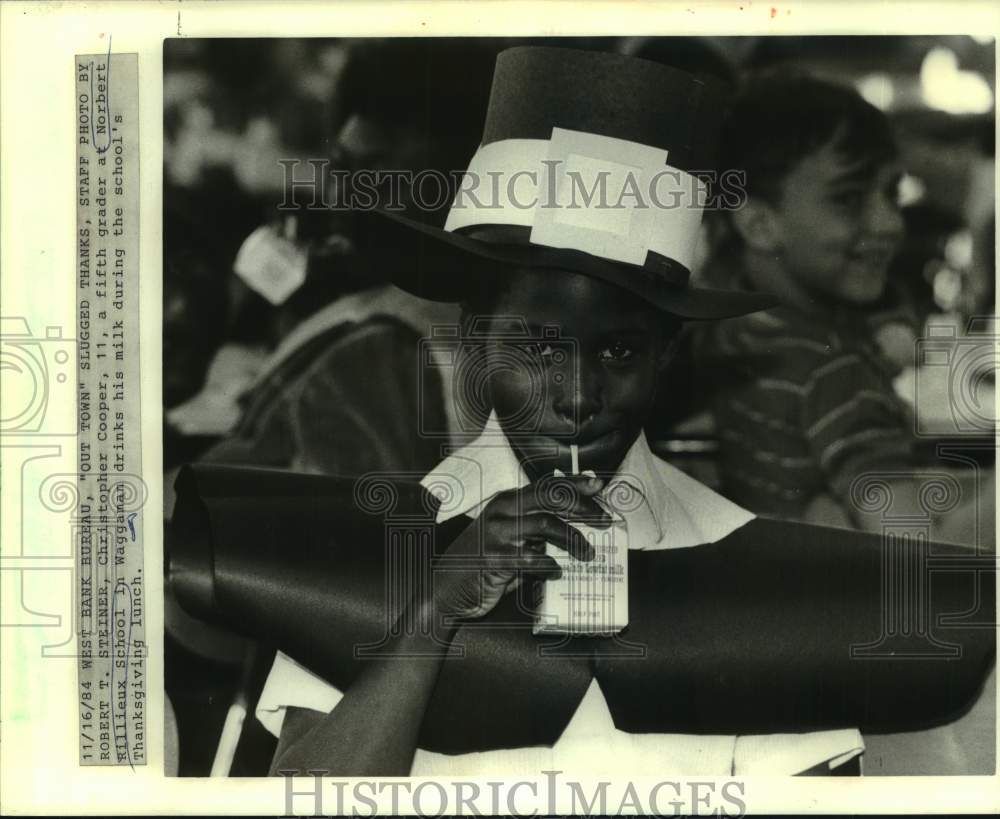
(804, 404)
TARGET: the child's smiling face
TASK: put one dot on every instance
(840, 225)
(598, 398)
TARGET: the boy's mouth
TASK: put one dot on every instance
(873, 257)
(588, 436)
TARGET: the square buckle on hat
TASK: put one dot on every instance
(594, 195)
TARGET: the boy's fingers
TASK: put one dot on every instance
(571, 498)
(558, 532)
(541, 565)
(587, 484)
(548, 492)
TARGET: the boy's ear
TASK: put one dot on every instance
(758, 225)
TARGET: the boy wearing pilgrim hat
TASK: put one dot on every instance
(525, 249)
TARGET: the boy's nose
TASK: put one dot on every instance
(578, 398)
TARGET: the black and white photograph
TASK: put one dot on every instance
(618, 406)
(498, 407)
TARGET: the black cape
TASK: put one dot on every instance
(778, 627)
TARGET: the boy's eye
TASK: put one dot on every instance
(617, 352)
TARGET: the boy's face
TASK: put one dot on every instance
(599, 396)
(839, 225)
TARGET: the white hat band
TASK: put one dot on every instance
(609, 197)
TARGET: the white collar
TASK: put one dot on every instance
(675, 510)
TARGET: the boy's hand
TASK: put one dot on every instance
(509, 538)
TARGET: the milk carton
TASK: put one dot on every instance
(591, 597)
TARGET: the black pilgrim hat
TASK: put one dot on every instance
(590, 162)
